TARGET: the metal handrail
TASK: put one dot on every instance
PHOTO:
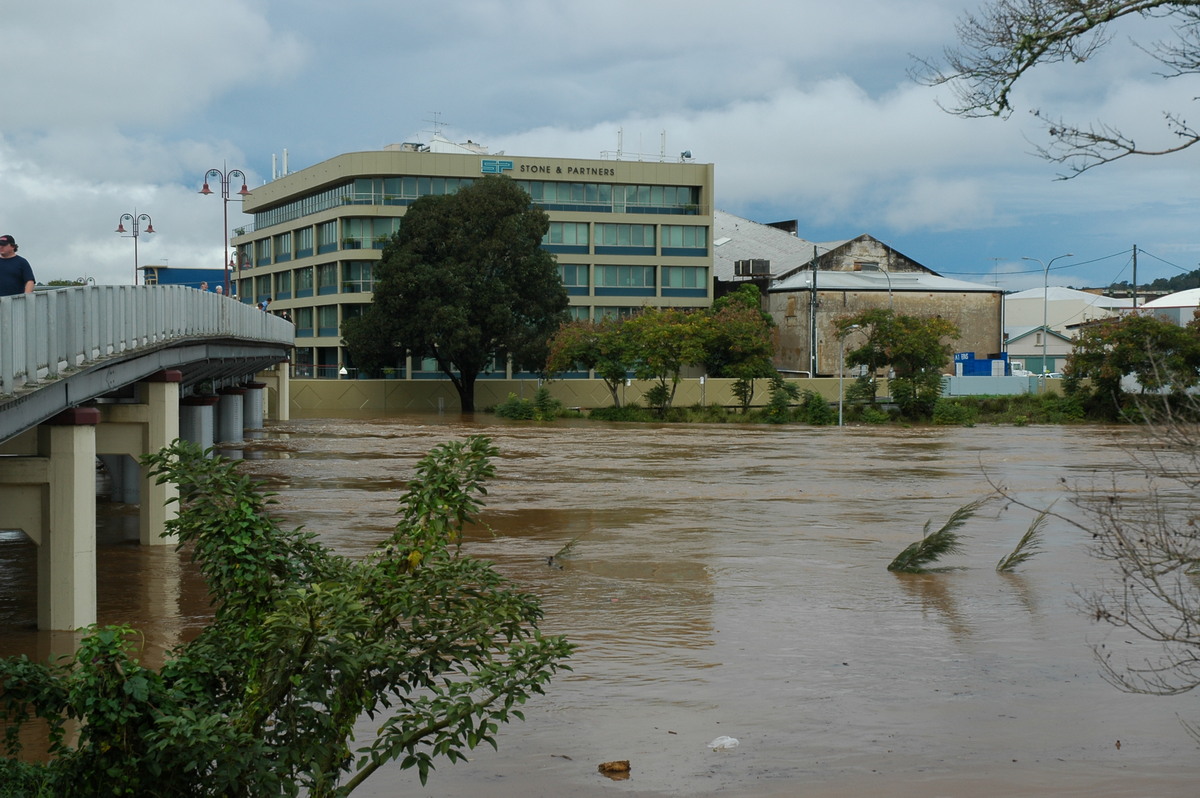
(48, 333)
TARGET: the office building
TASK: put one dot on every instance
(626, 233)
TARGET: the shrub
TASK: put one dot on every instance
(950, 412)
(814, 409)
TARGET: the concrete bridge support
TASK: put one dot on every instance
(52, 497)
(252, 407)
(230, 413)
(197, 418)
(137, 429)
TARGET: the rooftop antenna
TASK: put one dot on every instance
(437, 123)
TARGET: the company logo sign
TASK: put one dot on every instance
(490, 166)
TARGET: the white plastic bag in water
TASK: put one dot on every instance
(723, 743)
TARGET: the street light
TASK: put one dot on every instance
(1046, 300)
(842, 368)
(225, 177)
(135, 220)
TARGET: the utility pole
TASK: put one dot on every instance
(1135, 276)
(812, 320)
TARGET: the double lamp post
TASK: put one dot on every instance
(135, 219)
(225, 177)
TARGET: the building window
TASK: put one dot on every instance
(628, 280)
(684, 277)
(570, 233)
(262, 252)
(358, 276)
(688, 237)
(327, 321)
(304, 282)
(327, 279)
(625, 235)
(604, 312)
(283, 247)
(283, 285)
(304, 242)
(368, 232)
(579, 312)
(304, 322)
(575, 278)
(327, 237)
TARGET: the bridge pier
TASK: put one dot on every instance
(196, 416)
(52, 497)
(142, 428)
(230, 414)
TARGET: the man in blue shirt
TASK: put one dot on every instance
(16, 275)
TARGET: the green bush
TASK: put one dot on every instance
(543, 407)
(951, 412)
(630, 412)
(814, 409)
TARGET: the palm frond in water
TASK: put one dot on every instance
(935, 545)
(1029, 545)
(562, 554)
(566, 550)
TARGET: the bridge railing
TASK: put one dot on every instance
(46, 333)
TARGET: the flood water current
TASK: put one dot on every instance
(731, 580)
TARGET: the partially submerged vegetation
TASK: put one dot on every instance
(435, 646)
(918, 556)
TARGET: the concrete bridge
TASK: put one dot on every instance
(115, 372)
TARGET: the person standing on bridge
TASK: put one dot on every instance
(16, 275)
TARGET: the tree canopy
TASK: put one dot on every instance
(999, 45)
(916, 348)
(464, 281)
(731, 339)
(1161, 355)
(436, 647)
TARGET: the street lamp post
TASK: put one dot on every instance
(842, 368)
(225, 176)
(135, 220)
(1046, 300)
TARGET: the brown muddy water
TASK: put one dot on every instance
(731, 581)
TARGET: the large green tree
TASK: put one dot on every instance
(917, 348)
(434, 646)
(1005, 40)
(464, 281)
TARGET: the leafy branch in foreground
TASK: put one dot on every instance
(434, 646)
(1029, 545)
(935, 545)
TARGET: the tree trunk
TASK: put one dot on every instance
(466, 392)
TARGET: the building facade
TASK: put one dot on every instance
(849, 277)
(626, 234)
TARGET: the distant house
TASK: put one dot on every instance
(1041, 350)
(850, 276)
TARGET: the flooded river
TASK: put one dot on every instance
(730, 580)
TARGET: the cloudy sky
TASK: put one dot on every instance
(804, 106)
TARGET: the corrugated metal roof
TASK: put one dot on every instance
(1058, 293)
(879, 281)
(735, 238)
(1189, 298)
(742, 239)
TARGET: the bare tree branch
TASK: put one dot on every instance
(1007, 39)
